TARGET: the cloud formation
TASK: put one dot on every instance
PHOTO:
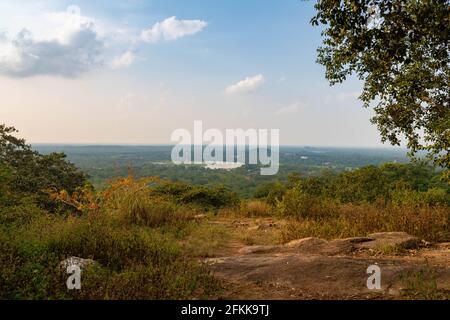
(249, 84)
(123, 61)
(69, 44)
(74, 50)
(172, 29)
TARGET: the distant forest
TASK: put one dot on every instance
(102, 163)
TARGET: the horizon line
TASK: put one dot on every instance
(80, 144)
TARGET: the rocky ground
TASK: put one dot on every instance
(313, 268)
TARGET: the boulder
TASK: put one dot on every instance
(396, 239)
(320, 246)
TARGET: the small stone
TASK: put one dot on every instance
(82, 263)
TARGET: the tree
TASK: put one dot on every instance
(365, 184)
(400, 49)
(32, 173)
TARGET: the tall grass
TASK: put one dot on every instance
(125, 233)
(349, 220)
(255, 208)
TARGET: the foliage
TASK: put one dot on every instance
(212, 197)
(103, 163)
(147, 234)
(298, 203)
(271, 192)
(134, 251)
(432, 197)
(387, 183)
(365, 184)
(31, 173)
(400, 49)
(130, 264)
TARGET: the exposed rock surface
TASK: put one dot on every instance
(398, 239)
(317, 268)
(311, 245)
(258, 249)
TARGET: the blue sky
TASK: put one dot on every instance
(134, 71)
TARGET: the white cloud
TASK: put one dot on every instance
(172, 29)
(291, 109)
(69, 44)
(74, 48)
(249, 84)
(123, 61)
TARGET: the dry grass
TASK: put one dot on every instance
(255, 208)
(422, 284)
(206, 240)
(227, 232)
(148, 247)
(428, 223)
(132, 202)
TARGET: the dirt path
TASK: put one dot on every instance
(314, 268)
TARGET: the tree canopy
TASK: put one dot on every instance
(400, 50)
(24, 171)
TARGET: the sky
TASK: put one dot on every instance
(132, 72)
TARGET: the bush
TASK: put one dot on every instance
(432, 197)
(366, 184)
(136, 209)
(297, 203)
(20, 214)
(132, 262)
(207, 197)
(271, 192)
(112, 246)
(437, 197)
(30, 173)
(214, 197)
(134, 202)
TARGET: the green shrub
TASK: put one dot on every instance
(132, 262)
(431, 197)
(271, 192)
(213, 197)
(297, 203)
(141, 210)
(365, 184)
(206, 197)
(437, 197)
(112, 246)
(20, 214)
(134, 202)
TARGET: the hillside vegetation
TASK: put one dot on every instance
(148, 236)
